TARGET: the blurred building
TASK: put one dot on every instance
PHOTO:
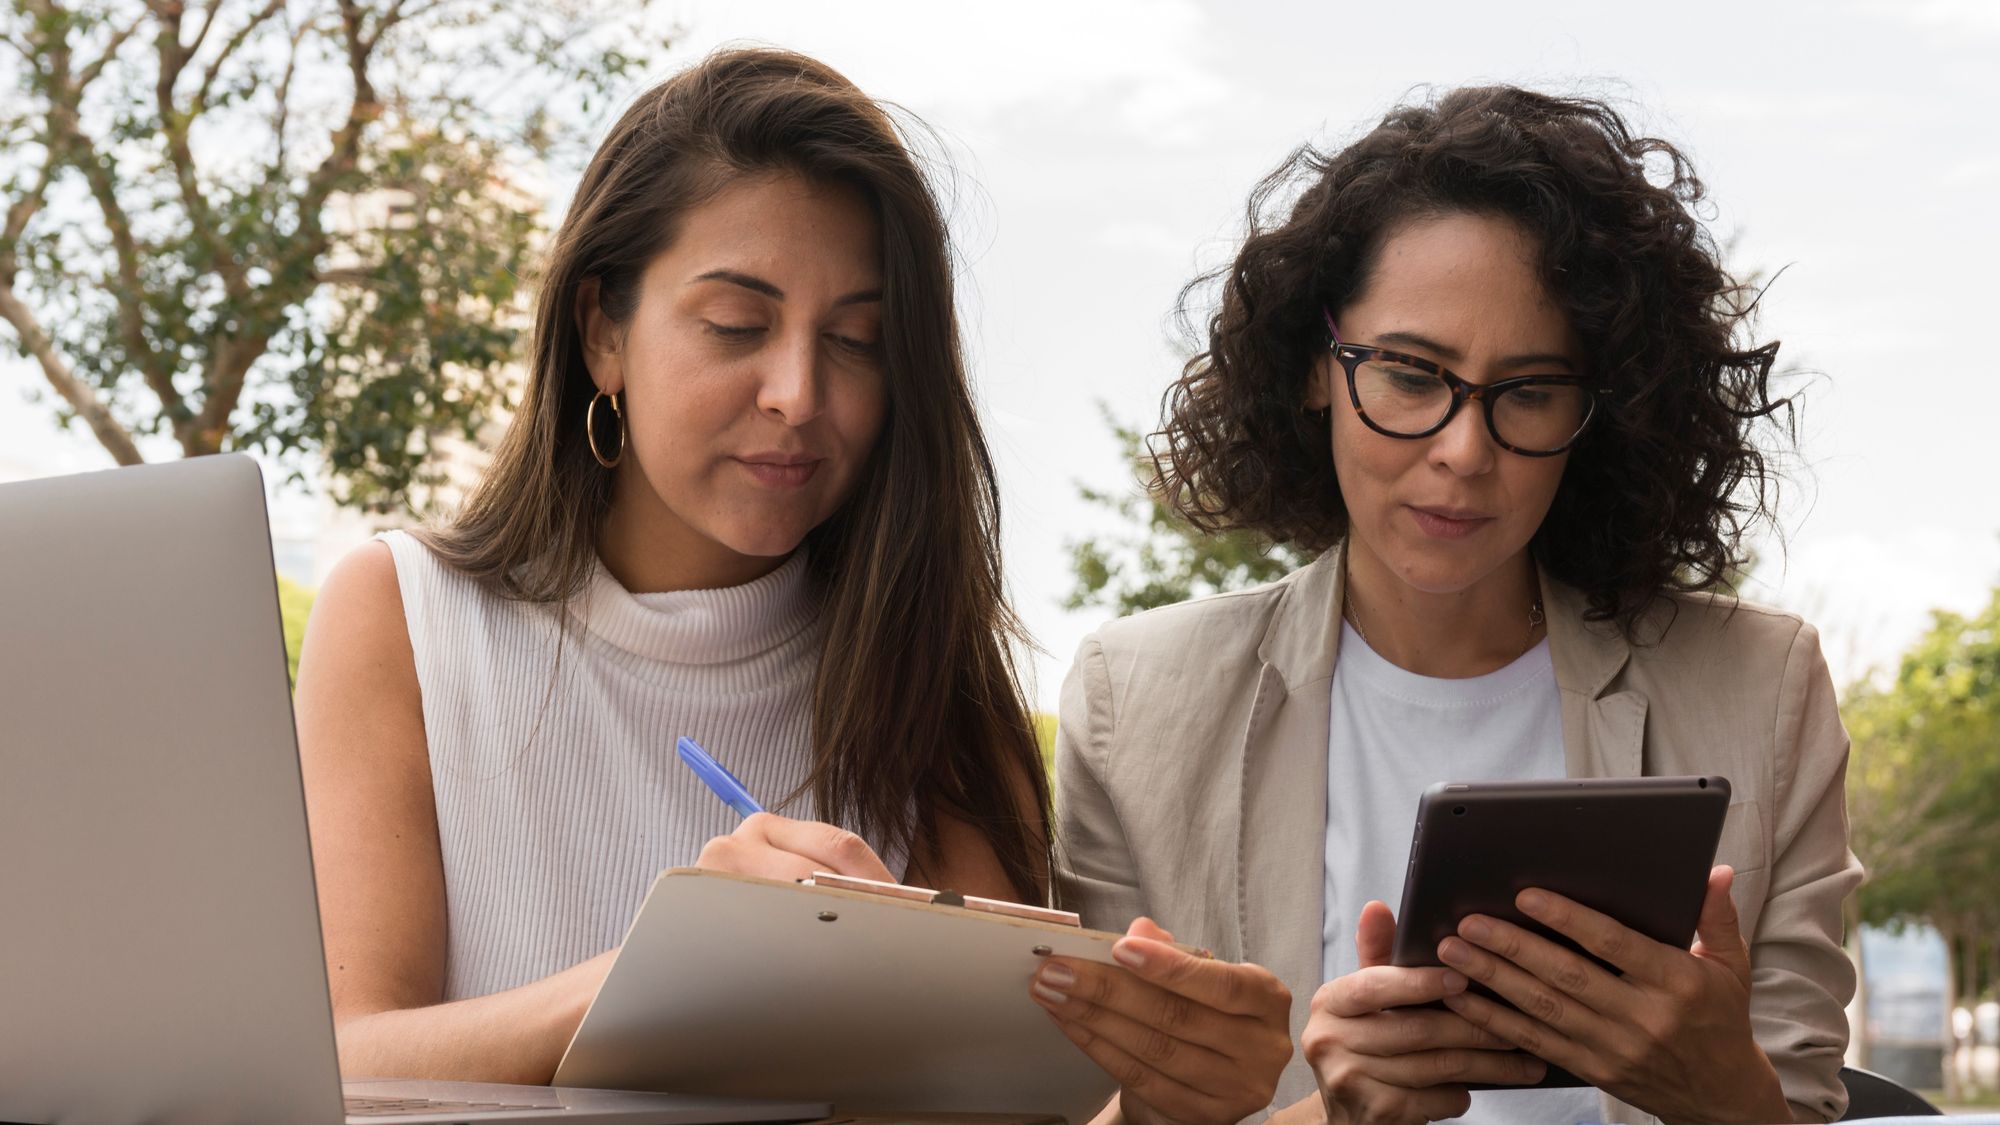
(1900, 1019)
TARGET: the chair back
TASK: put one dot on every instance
(1871, 1095)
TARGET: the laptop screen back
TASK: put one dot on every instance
(160, 951)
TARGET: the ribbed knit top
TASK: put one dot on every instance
(551, 733)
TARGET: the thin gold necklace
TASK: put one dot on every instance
(1349, 606)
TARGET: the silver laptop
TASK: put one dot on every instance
(160, 954)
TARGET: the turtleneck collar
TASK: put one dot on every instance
(700, 626)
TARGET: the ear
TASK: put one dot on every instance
(603, 339)
(1319, 384)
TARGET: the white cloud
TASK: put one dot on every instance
(1973, 172)
(1950, 16)
(1824, 111)
(1138, 62)
(1144, 237)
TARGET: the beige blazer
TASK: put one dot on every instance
(1191, 778)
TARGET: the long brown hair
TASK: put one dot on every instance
(916, 706)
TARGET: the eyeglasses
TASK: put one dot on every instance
(1402, 396)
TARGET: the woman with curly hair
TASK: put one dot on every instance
(1487, 362)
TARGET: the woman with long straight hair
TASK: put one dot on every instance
(746, 499)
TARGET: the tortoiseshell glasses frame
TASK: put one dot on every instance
(1352, 356)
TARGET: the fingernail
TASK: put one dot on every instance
(1128, 955)
(1454, 983)
(1057, 975)
(1454, 1000)
(1475, 928)
(1534, 902)
(1046, 994)
(1453, 952)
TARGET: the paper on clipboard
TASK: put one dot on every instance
(730, 984)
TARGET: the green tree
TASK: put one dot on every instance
(1045, 738)
(1160, 558)
(188, 249)
(295, 604)
(1924, 791)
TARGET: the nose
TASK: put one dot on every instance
(792, 389)
(1464, 447)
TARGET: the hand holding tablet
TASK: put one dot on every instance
(1382, 1049)
(1556, 918)
(1663, 1027)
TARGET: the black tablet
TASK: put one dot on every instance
(1638, 849)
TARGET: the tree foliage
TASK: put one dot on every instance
(300, 226)
(1924, 788)
(295, 604)
(1157, 558)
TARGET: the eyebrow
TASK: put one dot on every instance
(759, 285)
(1453, 355)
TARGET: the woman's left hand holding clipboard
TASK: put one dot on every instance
(1188, 1038)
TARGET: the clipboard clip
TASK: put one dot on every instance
(943, 898)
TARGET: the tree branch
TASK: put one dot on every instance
(229, 365)
(403, 12)
(272, 8)
(207, 22)
(110, 434)
(19, 213)
(20, 48)
(282, 121)
(232, 359)
(362, 112)
(389, 19)
(174, 124)
(355, 277)
(66, 132)
(89, 73)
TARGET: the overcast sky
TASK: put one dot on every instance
(1103, 153)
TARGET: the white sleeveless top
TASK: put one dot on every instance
(559, 793)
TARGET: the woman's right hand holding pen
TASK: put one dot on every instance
(778, 847)
(773, 846)
(1189, 1038)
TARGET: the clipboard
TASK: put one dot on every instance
(880, 998)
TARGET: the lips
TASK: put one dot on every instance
(1464, 515)
(1448, 523)
(781, 470)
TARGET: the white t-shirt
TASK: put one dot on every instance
(1394, 734)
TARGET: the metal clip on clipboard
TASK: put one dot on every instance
(942, 898)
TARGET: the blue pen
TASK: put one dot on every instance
(718, 779)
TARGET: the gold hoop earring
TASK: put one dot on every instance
(590, 430)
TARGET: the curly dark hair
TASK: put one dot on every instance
(1661, 489)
